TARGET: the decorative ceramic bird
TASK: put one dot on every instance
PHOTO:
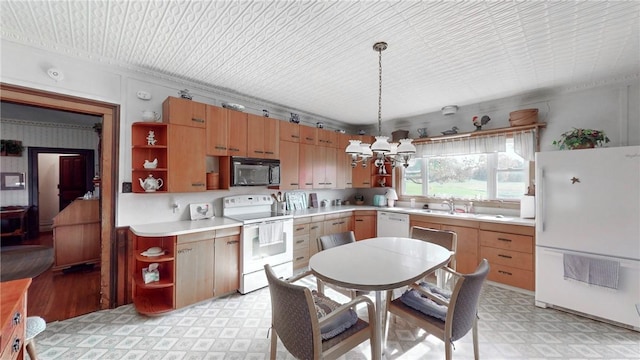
(479, 122)
(454, 130)
(151, 164)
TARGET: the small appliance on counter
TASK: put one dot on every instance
(379, 200)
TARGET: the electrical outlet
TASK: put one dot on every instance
(127, 187)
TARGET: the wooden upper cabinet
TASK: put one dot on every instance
(289, 131)
(263, 138)
(217, 130)
(290, 152)
(187, 170)
(327, 138)
(308, 134)
(305, 166)
(185, 112)
(237, 133)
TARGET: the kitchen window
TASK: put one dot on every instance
(488, 168)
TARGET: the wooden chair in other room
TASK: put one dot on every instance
(451, 315)
(329, 241)
(311, 325)
(445, 238)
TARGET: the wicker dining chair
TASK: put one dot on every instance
(451, 315)
(300, 320)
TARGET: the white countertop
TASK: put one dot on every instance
(183, 227)
(188, 226)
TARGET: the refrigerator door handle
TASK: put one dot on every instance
(541, 189)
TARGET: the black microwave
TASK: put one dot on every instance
(254, 172)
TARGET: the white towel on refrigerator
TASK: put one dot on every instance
(593, 271)
(270, 233)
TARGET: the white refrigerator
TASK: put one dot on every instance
(588, 228)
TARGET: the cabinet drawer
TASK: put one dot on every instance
(519, 278)
(303, 220)
(300, 242)
(300, 229)
(197, 236)
(514, 259)
(300, 258)
(14, 331)
(227, 232)
(507, 241)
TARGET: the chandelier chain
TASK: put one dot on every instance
(380, 91)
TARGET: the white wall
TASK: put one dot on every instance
(26, 66)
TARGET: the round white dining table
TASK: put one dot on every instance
(378, 264)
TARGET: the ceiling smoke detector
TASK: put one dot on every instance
(449, 109)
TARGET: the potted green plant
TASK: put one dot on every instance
(581, 139)
(11, 147)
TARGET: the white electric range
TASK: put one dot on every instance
(267, 238)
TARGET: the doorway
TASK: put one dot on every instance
(108, 165)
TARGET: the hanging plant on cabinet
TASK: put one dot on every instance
(581, 139)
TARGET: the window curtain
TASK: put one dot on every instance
(524, 144)
(460, 146)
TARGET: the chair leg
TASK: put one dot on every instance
(31, 349)
(448, 349)
(274, 343)
(474, 330)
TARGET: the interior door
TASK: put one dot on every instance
(72, 182)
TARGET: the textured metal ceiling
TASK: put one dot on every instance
(316, 56)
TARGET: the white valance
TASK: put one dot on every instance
(524, 144)
(466, 145)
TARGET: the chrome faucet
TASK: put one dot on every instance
(451, 205)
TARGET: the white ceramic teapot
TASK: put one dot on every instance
(151, 184)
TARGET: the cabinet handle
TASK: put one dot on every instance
(505, 256)
(294, 184)
(184, 251)
(16, 345)
(232, 242)
(295, 136)
(359, 219)
(221, 148)
(505, 272)
(17, 318)
(314, 227)
(299, 241)
(269, 152)
(308, 183)
(234, 149)
(504, 239)
(258, 151)
(300, 228)
(299, 258)
(308, 138)
(198, 120)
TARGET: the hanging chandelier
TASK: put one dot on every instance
(384, 151)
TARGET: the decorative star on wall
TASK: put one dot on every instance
(575, 180)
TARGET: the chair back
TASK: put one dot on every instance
(333, 240)
(466, 296)
(445, 238)
(292, 317)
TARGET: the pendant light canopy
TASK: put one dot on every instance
(384, 151)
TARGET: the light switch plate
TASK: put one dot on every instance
(200, 211)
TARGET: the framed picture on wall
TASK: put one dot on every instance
(11, 181)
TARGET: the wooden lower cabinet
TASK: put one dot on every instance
(510, 251)
(13, 309)
(195, 267)
(508, 248)
(364, 224)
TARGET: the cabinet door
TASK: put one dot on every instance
(343, 164)
(330, 168)
(237, 136)
(256, 137)
(316, 229)
(289, 165)
(194, 272)
(308, 135)
(326, 137)
(184, 112)
(217, 128)
(305, 166)
(289, 131)
(364, 226)
(227, 264)
(272, 136)
(361, 176)
(319, 166)
(467, 251)
(187, 170)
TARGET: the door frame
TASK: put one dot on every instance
(109, 161)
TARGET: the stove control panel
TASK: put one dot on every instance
(239, 201)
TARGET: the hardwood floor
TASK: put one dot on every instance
(62, 295)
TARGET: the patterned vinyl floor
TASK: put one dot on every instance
(236, 327)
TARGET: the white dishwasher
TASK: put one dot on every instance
(392, 224)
